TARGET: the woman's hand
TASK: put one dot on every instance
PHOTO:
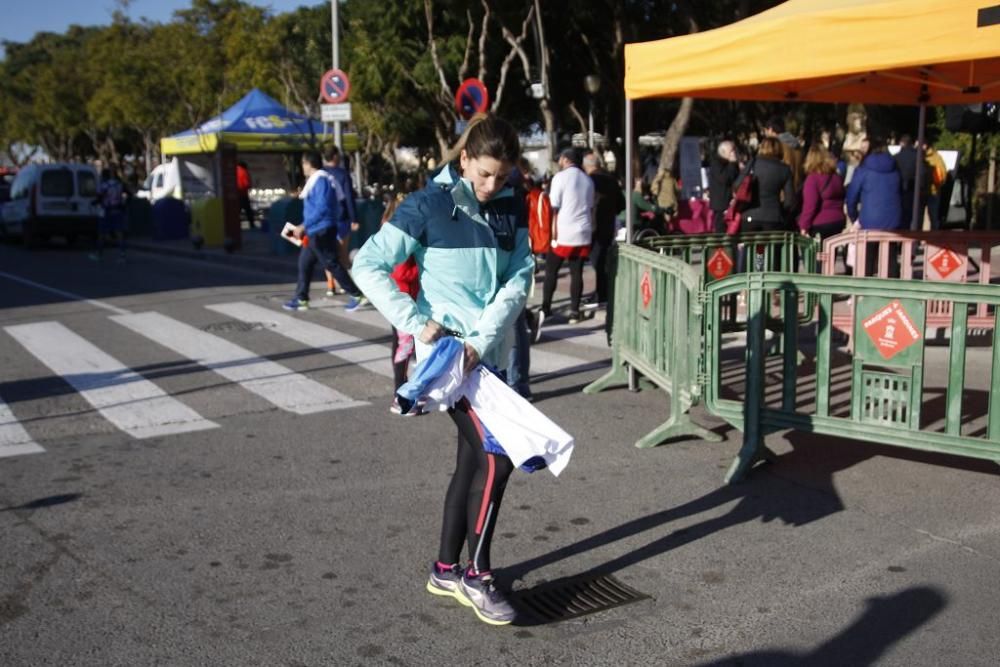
(431, 332)
(471, 358)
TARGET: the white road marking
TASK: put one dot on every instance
(126, 399)
(543, 361)
(14, 440)
(371, 356)
(271, 381)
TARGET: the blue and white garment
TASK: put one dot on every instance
(514, 427)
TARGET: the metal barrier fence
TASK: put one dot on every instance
(658, 333)
(886, 369)
(945, 259)
(719, 254)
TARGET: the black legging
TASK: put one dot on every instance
(473, 499)
(553, 263)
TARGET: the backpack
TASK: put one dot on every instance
(539, 221)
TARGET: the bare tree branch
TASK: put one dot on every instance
(579, 117)
(515, 50)
(482, 40)
(464, 69)
(429, 14)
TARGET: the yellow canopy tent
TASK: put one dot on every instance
(871, 51)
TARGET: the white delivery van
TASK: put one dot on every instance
(182, 179)
(51, 200)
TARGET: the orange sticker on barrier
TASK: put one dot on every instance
(720, 264)
(646, 289)
(945, 261)
(891, 329)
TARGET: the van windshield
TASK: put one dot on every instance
(86, 184)
(57, 183)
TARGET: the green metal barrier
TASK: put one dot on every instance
(658, 333)
(718, 256)
(886, 370)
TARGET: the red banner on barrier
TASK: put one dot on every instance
(646, 289)
(720, 264)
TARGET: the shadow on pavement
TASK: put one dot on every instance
(48, 501)
(885, 621)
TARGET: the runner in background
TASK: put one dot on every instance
(111, 196)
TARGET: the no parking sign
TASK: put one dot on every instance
(471, 98)
(334, 86)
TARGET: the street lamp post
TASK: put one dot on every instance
(592, 83)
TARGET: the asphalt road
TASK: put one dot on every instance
(191, 476)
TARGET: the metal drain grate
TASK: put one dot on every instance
(578, 596)
(236, 325)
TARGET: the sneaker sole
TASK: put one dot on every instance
(445, 593)
(479, 614)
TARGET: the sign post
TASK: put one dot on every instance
(334, 87)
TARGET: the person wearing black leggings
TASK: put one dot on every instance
(473, 499)
(468, 234)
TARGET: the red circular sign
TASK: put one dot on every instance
(471, 98)
(334, 86)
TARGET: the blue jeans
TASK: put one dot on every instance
(322, 248)
(519, 361)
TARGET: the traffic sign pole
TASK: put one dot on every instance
(335, 20)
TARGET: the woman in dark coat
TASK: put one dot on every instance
(722, 173)
(773, 193)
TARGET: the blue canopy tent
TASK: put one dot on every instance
(257, 123)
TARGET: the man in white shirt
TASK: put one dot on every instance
(572, 198)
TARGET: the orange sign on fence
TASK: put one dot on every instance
(891, 330)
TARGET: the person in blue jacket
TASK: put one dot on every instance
(469, 235)
(320, 215)
(877, 187)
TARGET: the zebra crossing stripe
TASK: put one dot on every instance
(14, 440)
(271, 381)
(122, 396)
(543, 362)
(370, 356)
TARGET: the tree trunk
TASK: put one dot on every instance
(674, 133)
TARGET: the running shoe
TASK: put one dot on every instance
(537, 329)
(574, 317)
(446, 583)
(489, 604)
(397, 409)
(296, 304)
(331, 292)
(356, 303)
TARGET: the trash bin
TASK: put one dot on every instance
(170, 220)
(207, 222)
(369, 217)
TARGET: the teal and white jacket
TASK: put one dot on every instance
(475, 265)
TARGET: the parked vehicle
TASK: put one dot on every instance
(182, 179)
(51, 200)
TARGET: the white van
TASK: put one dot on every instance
(51, 200)
(182, 179)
